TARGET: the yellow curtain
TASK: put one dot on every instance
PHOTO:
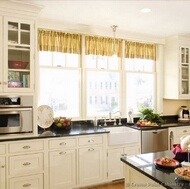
(140, 50)
(102, 46)
(49, 40)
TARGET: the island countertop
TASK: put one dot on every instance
(144, 163)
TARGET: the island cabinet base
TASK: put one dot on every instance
(136, 180)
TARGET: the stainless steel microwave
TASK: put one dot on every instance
(16, 114)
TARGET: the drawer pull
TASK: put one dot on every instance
(26, 185)
(91, 149)
(61, 153)
(2, 166)
(26, 163)
(62, 143)
(90, 141)
(26, 147)
(185, 131)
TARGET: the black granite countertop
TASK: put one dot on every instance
(55, 132)
(166, 177)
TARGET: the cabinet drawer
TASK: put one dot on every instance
(27, 146)
(90, 140)
(67, 142)
(25, 164)
(182, 131)
(2, 148)
(32, 182)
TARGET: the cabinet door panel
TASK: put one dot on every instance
(115, 166)
(2, 172)
(90, 165)
(62, 169)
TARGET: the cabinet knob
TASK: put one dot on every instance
(2, 166)
(184, 131)
(26, 185)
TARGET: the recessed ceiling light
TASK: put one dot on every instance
(145, 10)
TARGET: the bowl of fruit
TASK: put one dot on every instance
(61, 122)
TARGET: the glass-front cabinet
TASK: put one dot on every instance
(19, 55)
(184, 73)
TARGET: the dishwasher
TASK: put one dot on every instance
(154, 140)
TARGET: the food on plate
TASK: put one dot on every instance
(145, 122)
(183, 172)
(166, 160)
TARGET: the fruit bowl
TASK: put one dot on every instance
(62, 122)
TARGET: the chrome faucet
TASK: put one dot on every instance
(110, 118)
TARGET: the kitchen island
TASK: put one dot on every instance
(141, 172)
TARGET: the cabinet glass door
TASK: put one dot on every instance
(184, 70)
(18, 55)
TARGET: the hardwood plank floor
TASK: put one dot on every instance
(113, 185)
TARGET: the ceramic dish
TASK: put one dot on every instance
(185, 164)
(172, 164)
(183, 173)
(44, 116)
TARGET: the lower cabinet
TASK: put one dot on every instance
(2, 172)
(62, 169)
(114, 165)
(90, 165)
(25, 167)
(32, 182)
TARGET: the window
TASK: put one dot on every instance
(59, 84)
(140, 83)
(95, 86)
(106, 99)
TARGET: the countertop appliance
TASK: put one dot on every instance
(154, 140)
(16, 114)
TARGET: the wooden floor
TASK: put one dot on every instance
(114, 185)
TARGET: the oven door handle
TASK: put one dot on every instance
(2, 110)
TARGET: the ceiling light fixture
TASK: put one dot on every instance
(114, 27)
(145, 10)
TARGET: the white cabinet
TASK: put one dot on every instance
(18, 64)
(135, 180)
(2, 172)
(62, 163)
(114, 164)
(175, 133)
(25, 164)
(1, 54)
(32, 182)
(177, 68)
(91, 156)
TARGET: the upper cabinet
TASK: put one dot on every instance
(176, 68)
(18, 46)
(18, 63)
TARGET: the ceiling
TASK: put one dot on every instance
(165, 19)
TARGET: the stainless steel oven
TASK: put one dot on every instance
(16, 114)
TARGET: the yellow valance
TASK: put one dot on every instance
(140, 50)
(58, 41)
(102, 46)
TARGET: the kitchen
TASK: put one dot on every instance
(167, 106)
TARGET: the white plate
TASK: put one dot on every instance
(44, 116)
(185, 164)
